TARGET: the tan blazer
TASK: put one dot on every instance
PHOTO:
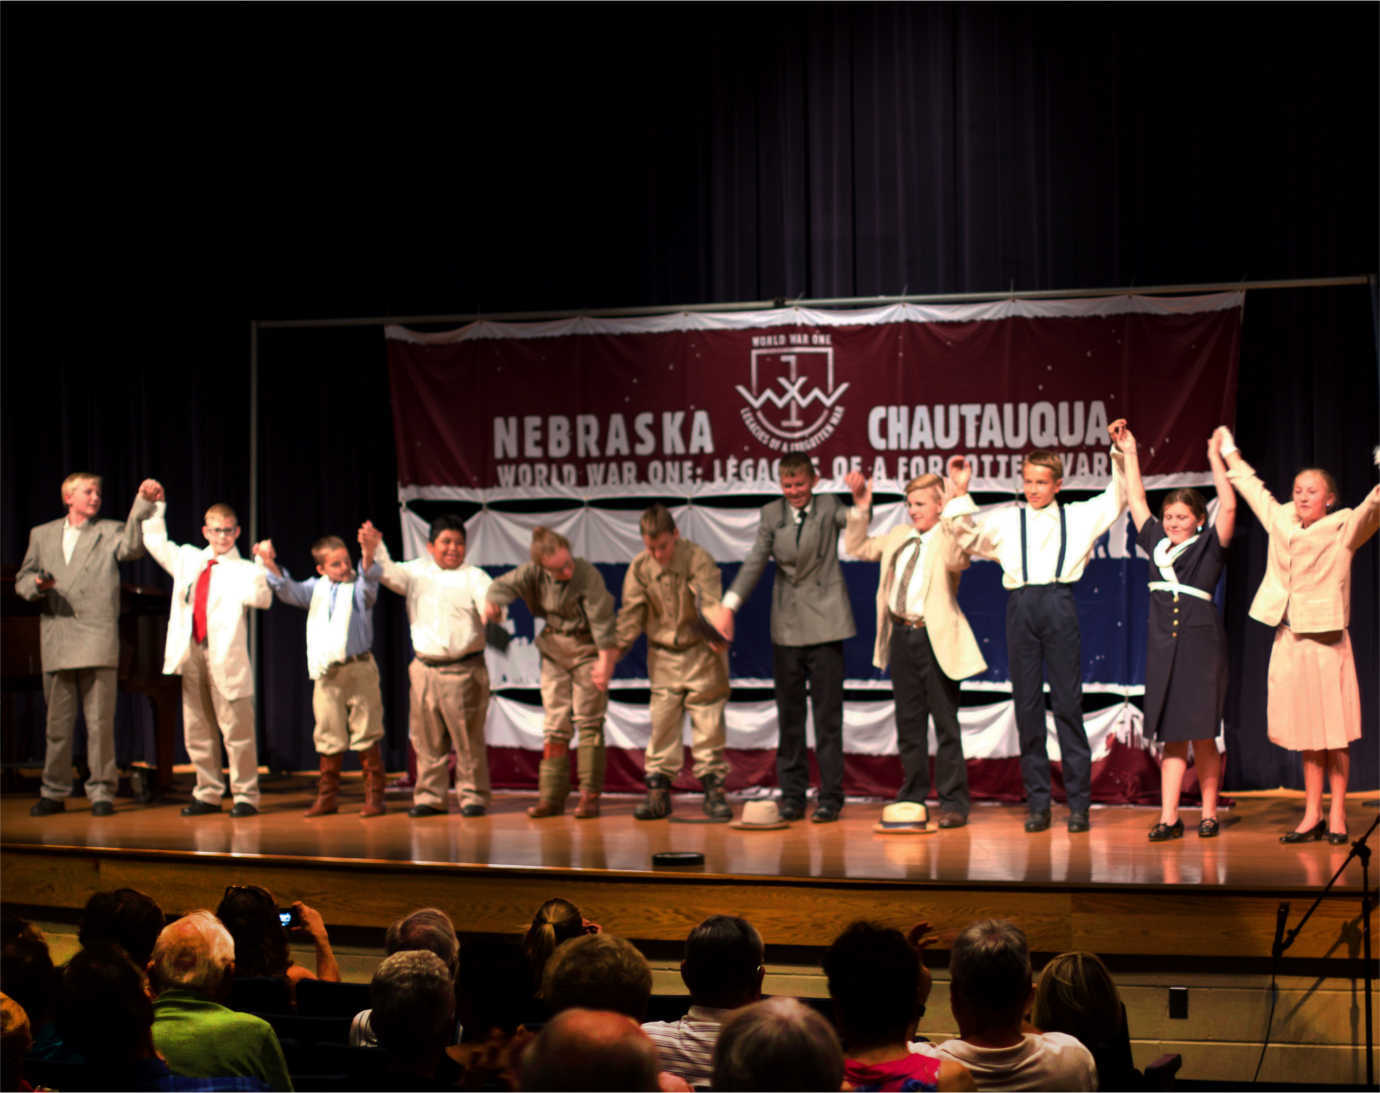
(1307, 570)
(950, 635)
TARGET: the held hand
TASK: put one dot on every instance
(264, 549)
(492, 612)
(1121, 435)
(1222, 439)
(45, 581)
(311, 920)
(369, 537)
(960, 474)
(860, 487)
(603, 669)
(150, 489)
(721, 618)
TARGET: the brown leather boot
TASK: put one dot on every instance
(327, 786)
(374, 778)
(592, 758)
(657, 806)
(553, 780)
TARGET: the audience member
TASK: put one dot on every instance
(193, 963)
(28, 976)
(125, 917)
(599, 972)
(990, 989)
(105, 1013)
(413, 995)
(250, 913)
(1075, 994)
(591, 1049)
(429, 929)
(879, 986)
(723, 968)
(15, 1041)
(556, 921)
(778, 1043)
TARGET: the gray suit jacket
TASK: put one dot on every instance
(809, 601)
(78, 627)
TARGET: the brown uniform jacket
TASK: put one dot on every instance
(665, 601)
(578, 607)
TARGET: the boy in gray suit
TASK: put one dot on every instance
(72, 569)
(810, 618)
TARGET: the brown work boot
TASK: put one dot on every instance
(553, 780)
(328, 786)
(716, 805)
(657, 806)
(588, 808)
(374, 778)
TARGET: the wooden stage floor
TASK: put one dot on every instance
(1110, 890)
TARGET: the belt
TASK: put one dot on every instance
(431, 663)
(672, 648)
(908, 623)
(1180, 589)
(349, 660)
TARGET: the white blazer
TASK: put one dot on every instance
(236, 586)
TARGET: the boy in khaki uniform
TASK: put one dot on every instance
(666, 588)
(578, 651)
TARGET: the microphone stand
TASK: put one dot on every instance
(1360, 850)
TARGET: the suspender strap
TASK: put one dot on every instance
(1063, 538)
(1025, 561)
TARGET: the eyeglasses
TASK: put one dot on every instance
(221, 531)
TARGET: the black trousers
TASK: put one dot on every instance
(1042, 637)
(817, 669)
(923, 691)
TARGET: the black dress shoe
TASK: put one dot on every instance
(200, 808)
(825, 814)
(418, 811)
(1079, 822)
(1338, 838)
(1208, 828)
(1162, 832)
(47, 806)
(792, 810)
(471, 811)
(1037, 821)
(103, 808)
(950, 818)
(1312, 835)
(243, 809)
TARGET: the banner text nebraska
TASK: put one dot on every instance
(594, 436)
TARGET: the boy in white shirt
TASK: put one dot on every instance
(1043, 548)
(448, 680)
(208, 646)
(345, 700)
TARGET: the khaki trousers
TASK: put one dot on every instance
(208, 717)
(694, 681)
(348, 707)
(571, 701)
(447, 709)
(93, 689)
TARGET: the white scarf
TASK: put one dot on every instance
(327, 630)
(1165, 556)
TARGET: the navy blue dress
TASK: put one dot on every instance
(1186, 645)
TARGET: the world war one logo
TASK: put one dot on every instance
(792, 403)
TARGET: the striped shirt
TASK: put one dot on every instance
(686, 1047)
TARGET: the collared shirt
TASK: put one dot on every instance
(360, 634)
(665, 600)
(444, 606)
(70, 535)
(913, 605)
(686, 1047)
(581, 605)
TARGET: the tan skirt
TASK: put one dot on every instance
(1314, 703)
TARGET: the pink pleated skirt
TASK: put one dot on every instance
(1313, 703)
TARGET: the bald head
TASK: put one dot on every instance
(590, 1049)
(195, 953)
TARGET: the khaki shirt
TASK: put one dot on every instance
(577, 607)
(666, 601)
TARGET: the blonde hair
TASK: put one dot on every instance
(324, 544)
(69, 483)
(1075, 994)
(221, 509)
(925, 482)
(546, 542)
(1043, 457)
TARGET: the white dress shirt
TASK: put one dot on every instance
(444, 606)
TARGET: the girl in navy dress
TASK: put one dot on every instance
(1186, 645)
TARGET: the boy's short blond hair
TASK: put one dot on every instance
(656, 520)
(323, 545)
(546, 542)
(925, 482)
(70, 482)
(224, 511)
(1043, 457)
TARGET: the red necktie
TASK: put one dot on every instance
(203, 588)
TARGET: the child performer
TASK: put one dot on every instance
(1313, 704)
(345, 697)
(1042, 549)
(1186, 647)
(578, 650)
(208, 646)
(666, 588)
(922, 632)
(448, 679)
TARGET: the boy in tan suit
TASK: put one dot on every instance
(922, 632)
(72, 569)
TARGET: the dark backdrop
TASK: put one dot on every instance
(173, 172)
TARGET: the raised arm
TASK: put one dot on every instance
(978, 539)
(1242, 476)
(1225, 524)
(1363, 521)
(372, 550)
(131, 545)
(855, 538)
(1125, 442)
(155, 535)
